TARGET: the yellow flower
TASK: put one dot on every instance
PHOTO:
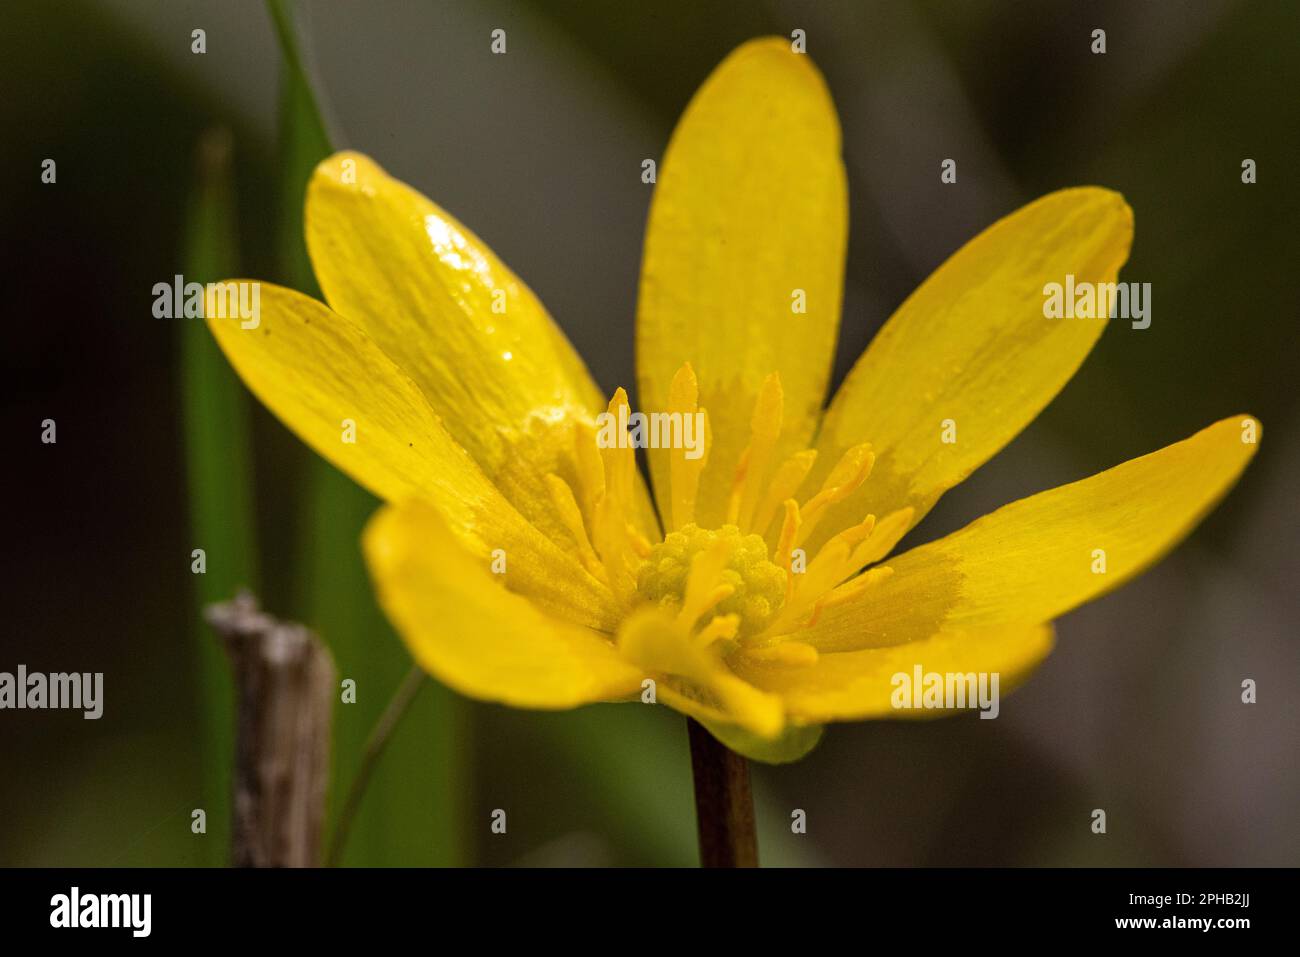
(524, 563)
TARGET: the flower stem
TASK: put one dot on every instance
(724, 806)
(379, 736)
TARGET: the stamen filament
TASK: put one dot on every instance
(785, 545)
(765, 430)
(610, 531)
(703, 590)
(684, 473)
(848, 592)
(567, 507)
(591, 471)
(784, 484)
(883, 538)
(845, 479)
(720, 628)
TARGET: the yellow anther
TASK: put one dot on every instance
(703, 590)
(765, 429)
(785, 544)
(784, 484)
(845, 479)
(609, 530)
(855, 535)
(694, 570)
(591, 473)
(826, 570)
(851, 590)
(619, 459)
(684, 473)
(721, 628)
(737, 487)
(641, 546)
(883, 537)
(718, 586)
(824, 573)
(567, 508)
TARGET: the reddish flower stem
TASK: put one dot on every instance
(724, 806)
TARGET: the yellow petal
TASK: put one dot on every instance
(323, 378)
(750, 206)
(1037, 558)
(464, 628)
(972, 348)
(475, 340)
(853, 685)
(692, 678)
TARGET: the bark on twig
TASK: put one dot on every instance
(285, 682)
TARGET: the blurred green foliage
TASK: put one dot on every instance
(410, 814)
(219, 475)
(1166, 118)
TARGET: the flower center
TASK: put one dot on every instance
(755, 586)
(725, 586)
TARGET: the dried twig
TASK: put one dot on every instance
(285, 682)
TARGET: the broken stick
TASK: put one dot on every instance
(285, 682)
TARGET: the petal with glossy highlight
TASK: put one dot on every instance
(478, 343)
(972, 346)
(750, 206)
(318, 371)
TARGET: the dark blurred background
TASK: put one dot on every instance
(1138, 711)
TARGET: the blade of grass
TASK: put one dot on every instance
(218, 473)
(409, 813)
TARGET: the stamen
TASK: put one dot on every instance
(785, 545)
(567, 507)
(824, 573)
(852, 589)
(737, 485)
(591, 473)
(641, 546)
(765, 429)
(610, 527)
(784, 484)
(848, 592)
(721, 628)
(684, 473)
(664, 647)
(719, 582)
(883, 538)
(703, 590)
(854, 535)
(845, 479)
(834, 563)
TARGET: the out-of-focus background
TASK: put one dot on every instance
(1138, 711)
